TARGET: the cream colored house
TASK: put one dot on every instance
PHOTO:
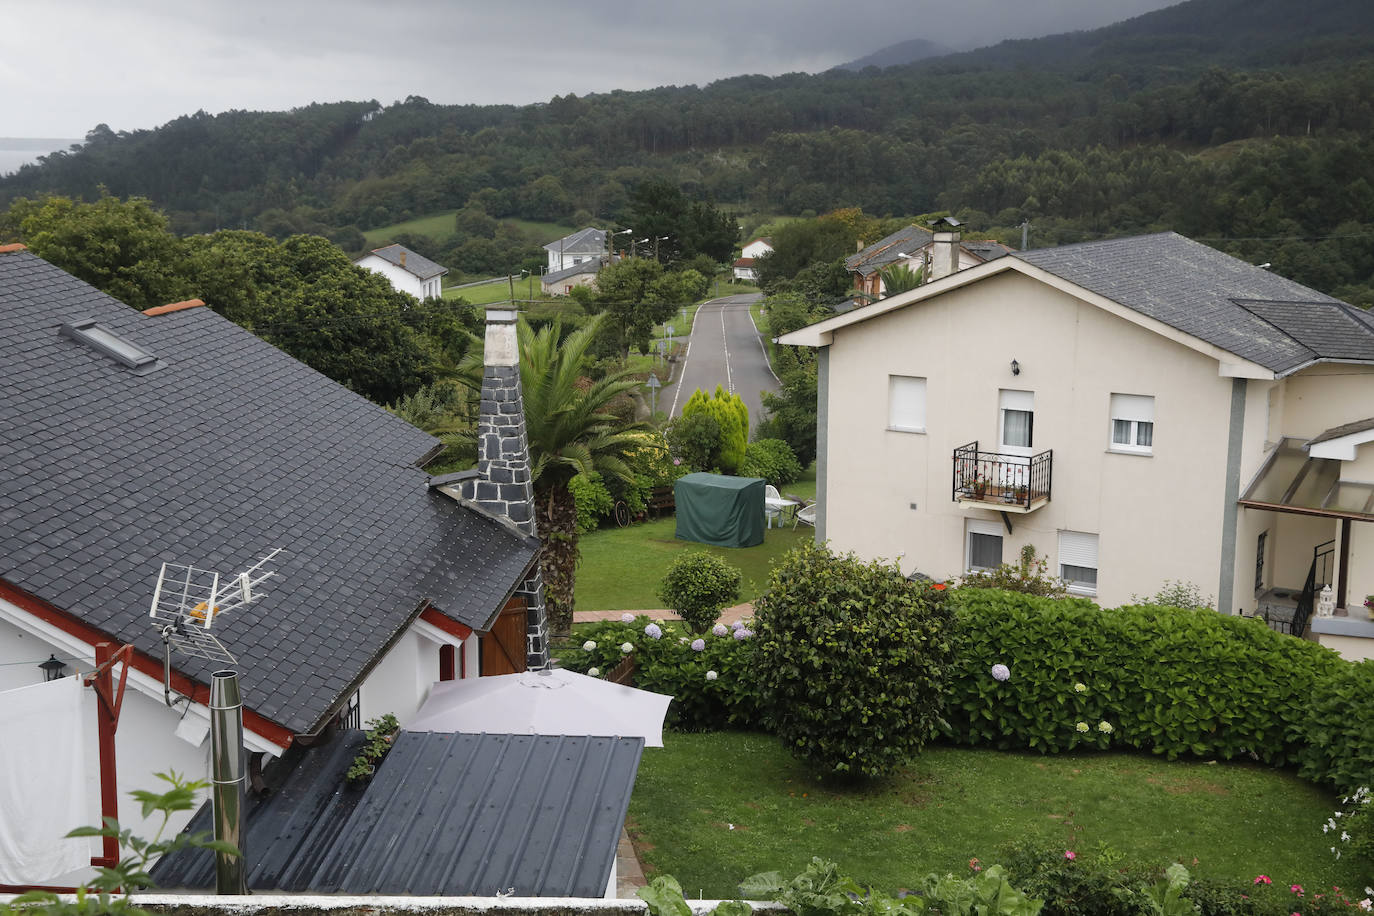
(1139, 410)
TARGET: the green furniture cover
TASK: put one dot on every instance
(720, 510)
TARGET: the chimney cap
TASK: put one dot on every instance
(948, 221)
(498, 316)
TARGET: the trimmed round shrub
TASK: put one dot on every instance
(697, 585)
(852, 659)
(771, 459)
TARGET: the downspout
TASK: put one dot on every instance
(227, 779)
(822, 435)
(1230, 509)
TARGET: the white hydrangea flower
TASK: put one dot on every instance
(627, 647)
(1080, 688)
(1104, 727)
(1082, 727)
(711, 675)
(627, 618)
(589, 645)
(594, 672)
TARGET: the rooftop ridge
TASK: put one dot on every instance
(173, 307)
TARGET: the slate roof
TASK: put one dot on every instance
(416, 264)
(227, 449)
(586, 267)
(445, 814)
(889, 250)
(582, 240)
(1348, 429)
(1246, 310)
(987, 250)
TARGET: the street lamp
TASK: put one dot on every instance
(610, 239)
(657, 239)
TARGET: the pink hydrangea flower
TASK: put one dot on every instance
(1070, 854)
(1296, 888)
(1263, 879)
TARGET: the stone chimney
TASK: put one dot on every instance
(403, 257)
(944, 249)
(501, 485)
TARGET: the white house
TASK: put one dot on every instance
(1139, 410)
(407, 271)
(745, 267)
(133, 438)
(583, 246)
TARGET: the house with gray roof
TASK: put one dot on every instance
(935, 253)
(132, 439)
(407, 271)
(1139, 410)
(583, 246)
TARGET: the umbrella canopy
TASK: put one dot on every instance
(548, 702)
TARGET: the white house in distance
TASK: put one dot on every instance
(585, 245)
(386, 583)
(561, 282)
(744, 267)
(1140, 410)
(408, 272)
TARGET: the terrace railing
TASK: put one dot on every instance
(1019, 482)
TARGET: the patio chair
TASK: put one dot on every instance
(806, 515)
(772, 508)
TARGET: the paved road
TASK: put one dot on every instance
(724, 349)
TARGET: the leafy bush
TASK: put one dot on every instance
(671, 664)
(1177, 593)
(697, 585)
(695, 441)
(1028, 576)
(1170, 681)
(853, 659)
(731, 416)
(381, 731)
(771, 459)
(594, 501)
(1336, 745)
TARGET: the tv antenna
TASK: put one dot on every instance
(188, 601)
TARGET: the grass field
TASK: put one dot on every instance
(622, 567)
(439, 226)
(712, 809)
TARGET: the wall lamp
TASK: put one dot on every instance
(52, 668)
(1015, 368)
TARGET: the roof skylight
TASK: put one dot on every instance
(107, 342)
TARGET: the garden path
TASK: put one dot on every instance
(727, 616)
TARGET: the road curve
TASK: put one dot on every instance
(725, 349)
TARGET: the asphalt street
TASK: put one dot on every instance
(724, 349)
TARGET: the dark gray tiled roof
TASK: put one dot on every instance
(888, 250)
(987, 250)
(1200, 291)
(586, 267)
(582, 240)
(417, 264)
(445, 814)
(1336, 432)
(229, 449)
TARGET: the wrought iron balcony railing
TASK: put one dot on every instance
(1016, 483)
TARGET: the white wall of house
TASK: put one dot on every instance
(401, 681)
(756, 249)
(1157, 516)
(571, 257)
(402, 279)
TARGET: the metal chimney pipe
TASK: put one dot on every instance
(228, 779)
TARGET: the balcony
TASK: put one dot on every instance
(1003, 483)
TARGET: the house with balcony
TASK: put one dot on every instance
(1139, 410)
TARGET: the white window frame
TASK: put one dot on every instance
(906, 403)
(985, 528)
(1137, 411)
(1012, 400)
(1079, 550)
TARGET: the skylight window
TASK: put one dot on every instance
(107, 342)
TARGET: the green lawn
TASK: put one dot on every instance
(496, 291)
(439, 226)
(1237, 820)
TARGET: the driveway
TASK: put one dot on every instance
(725, 348)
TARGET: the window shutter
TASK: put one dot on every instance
(906, 400)
(1016, 400)
(1078, 549)
(1140, 408)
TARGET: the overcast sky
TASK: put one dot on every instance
(67, 65)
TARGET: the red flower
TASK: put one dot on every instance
(1263, 879)
(939, 586)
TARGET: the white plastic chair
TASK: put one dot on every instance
(806, 515)
(771, 507)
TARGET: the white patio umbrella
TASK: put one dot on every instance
(548, 702)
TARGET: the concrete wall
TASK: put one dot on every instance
(1158, 517)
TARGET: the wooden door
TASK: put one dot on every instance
(503, 649)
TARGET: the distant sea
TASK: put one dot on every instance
(17, 151)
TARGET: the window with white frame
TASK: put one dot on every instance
(906, 403)
(1078, 561)
(1016, 419)
(1133, 423)
(982, 544)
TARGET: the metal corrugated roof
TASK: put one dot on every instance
(445, 814)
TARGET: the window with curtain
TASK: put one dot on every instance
(906, 403)
(1018, 418)
(1133, 423)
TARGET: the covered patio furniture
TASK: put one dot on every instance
(720, 510)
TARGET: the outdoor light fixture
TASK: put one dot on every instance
(52, 668)
(1015, 368)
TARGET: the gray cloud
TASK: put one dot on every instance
(70, 64)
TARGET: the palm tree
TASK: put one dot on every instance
(898, 278)
(571, 431)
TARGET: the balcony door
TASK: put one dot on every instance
(1016, 433)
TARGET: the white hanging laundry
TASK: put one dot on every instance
(42, 782)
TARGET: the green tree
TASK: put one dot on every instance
(898, 278)
(731, 416)
(572, 430)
